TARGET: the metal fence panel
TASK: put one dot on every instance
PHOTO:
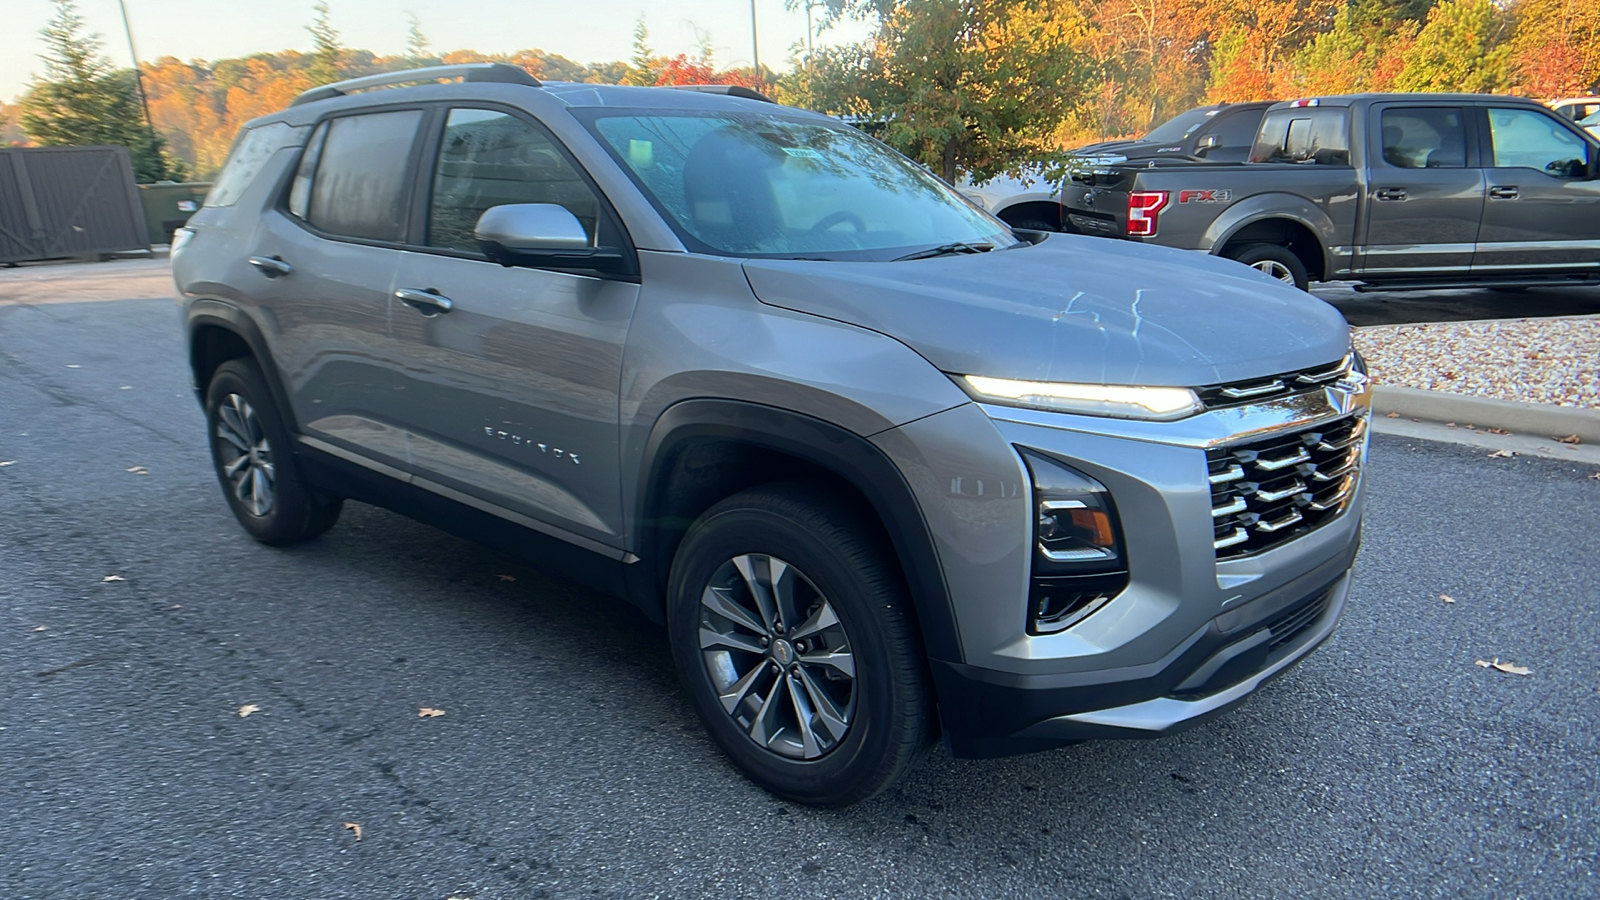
(68, 201)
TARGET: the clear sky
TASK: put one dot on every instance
(584, 31)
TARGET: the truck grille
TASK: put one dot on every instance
(1267, 492)
(1217, 396)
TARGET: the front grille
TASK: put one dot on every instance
(1276, 489)
(1218, 396)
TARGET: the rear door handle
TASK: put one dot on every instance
(426, 301)
(1391, 193)
(1508, 192)
(270, 266)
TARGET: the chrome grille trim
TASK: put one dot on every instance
(1293, 482)
(1286, 384)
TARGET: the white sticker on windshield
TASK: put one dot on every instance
(802, 152)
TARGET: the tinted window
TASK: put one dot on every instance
(361, 180)
(490, 159)
(756, 184)
(1304, 135)
(1526, 138)
(300, 191)
(1424, 138)
(1180, 126)
(250, 152)
(1235, 135)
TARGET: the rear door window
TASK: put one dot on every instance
(1424, 138)
(362, 178)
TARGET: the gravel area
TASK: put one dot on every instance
(1554, 360)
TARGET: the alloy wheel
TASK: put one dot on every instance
(1274, 268)
(777, 656)
(245, 455)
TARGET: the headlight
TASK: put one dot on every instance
(1078, 562)
(1161, 404)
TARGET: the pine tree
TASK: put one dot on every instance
(417, 48)
(327, 54)
(1461, 48)
(82, 101)
(646, 67)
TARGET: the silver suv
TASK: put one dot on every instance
(885, 469)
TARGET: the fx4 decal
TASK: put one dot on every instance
(1204, 196)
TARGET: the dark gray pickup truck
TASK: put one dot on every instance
(1395, 191)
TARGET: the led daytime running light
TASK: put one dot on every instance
(1122, 401)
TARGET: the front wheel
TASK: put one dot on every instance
(251, 454)
(1275, 260)
(789, 625)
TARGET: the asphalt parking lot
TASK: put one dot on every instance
(137, 620)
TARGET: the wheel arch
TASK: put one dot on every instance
(219, 332)
(1030, 210)
(703, 450)
(1285, 219)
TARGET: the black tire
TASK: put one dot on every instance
(264, 488)
(1276, 261)
(884, 709)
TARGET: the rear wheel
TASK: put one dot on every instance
(251, 454)
(790, 630)
(1275, 260)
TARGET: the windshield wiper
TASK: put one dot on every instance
(946, 250)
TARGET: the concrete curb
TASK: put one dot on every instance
(1534, 419)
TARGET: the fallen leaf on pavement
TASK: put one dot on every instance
(1502, 454)
(1498, 431)
(1570, 439)
(1472, 426)
(506, 577)
(1508, 668)
(1447, 598)
(1392, 416)
(112, 578)
(41, 628)
(429, 713)
(1449, 424)
(139, 470)
(1595, 477)
(247, 709)
(351, 826)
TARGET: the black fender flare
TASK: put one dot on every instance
(208, 313)
(845, 454)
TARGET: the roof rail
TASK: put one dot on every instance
(501, 73)
(732, 90)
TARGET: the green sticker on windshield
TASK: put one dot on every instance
(802, 152)
(641, 154)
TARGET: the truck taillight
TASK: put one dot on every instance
(1143, 209)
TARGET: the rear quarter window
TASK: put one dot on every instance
(251, 150)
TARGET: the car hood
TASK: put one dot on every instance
(1073, 308)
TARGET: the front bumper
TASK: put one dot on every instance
(990, 713)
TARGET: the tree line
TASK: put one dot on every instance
(965, 86)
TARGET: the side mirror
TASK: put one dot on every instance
(542, 235)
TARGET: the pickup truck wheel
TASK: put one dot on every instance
(1276, 261)
(251, 454)
(790, 633)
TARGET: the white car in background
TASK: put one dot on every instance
(1031, 201)
(1576, 108)
(1592, 124)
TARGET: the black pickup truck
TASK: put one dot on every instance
(1394, 191)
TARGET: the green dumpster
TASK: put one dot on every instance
(169, 204)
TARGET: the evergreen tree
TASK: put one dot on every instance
(646, 66)
(1462, 48)
(82, 101)
(327, 56)
(417, 47)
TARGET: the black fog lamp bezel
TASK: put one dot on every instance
(1063, 592)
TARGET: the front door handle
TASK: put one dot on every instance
(1391, 193)
(426, 301)
(1508, 192)
(270, 266)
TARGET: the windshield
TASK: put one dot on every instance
(1180, 126)
(1590, 120)
(756, 185)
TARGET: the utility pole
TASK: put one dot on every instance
(138, 76)
(755, 51)
(809, 29)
